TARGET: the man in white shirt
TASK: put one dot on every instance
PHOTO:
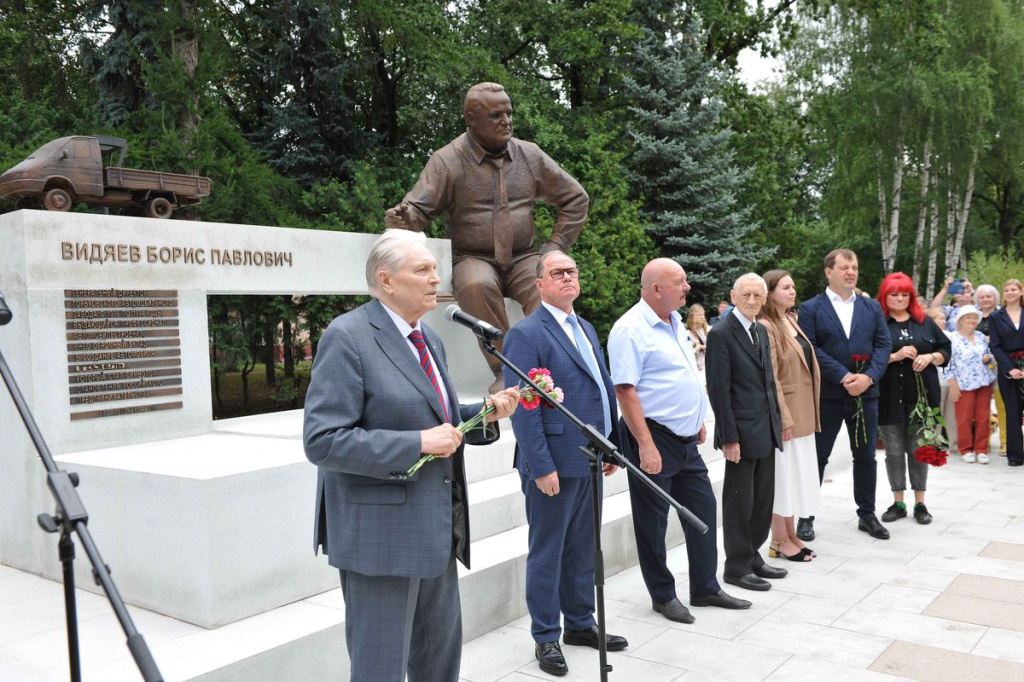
(851, 342)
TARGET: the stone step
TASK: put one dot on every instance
(305, 640)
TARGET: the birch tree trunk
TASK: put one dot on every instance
(922, 215)
(964, 210)
(889, 225)
(952, 206)
(933, 237)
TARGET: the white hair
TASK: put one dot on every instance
(990, 289)
(752, 277)
(389, 253)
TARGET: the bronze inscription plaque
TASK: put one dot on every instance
(123, 347)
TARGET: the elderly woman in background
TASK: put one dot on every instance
(697, 326)
(987, 300)
(918, 345)
(797, 377)
(970, 386)
(1006, 338)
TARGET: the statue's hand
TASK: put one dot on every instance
(395, 217)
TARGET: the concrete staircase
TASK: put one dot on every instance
(305, 640)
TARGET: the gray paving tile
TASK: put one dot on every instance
(993, 568)
(826, 586)
(916, 575)
(812, 610)
(1007, 645)
(828, 644)
(710, 656)
(807, 669)
(907, 627)
(908, 599)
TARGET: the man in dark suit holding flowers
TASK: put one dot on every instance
(844, 329)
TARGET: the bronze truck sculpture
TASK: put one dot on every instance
(76, 169)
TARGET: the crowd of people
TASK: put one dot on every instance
(780, 380)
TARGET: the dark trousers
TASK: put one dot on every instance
(1010, 390)
(748, 495)
(685, 477)
(396, 625)
(865, 469)
(560, 562)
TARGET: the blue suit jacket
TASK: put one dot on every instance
(368, 400)
(545, 440)
(868, 336)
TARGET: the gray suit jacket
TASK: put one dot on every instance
(367, 401)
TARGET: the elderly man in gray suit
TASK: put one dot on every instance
(380, 396)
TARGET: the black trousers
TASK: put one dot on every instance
(1010, 390)
(748, 495)
(684, 476)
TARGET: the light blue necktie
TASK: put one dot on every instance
(588, 357)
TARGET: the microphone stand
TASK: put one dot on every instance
(71, 516)
(598, 449)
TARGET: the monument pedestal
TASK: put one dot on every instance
(110, 346)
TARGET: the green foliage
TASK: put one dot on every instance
(995, 268)
(682, 165)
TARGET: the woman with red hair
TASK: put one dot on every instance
(918, 345)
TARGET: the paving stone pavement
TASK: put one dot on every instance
(934, 603)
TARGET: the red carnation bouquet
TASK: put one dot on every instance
(930, 434)
(859, 428)
(528, 400)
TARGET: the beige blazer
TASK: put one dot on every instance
(797, 387)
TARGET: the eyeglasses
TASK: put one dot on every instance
(562, 273)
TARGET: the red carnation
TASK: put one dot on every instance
(861, 358)
(929, 454)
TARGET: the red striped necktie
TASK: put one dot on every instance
(428, 367)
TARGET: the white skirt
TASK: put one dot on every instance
(797, 490)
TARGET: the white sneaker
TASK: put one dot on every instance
(982, 458)
(969, 458)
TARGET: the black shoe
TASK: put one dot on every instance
(589, 638)
(894, 512)
(673, 610)
(921, 514)
(805, 529)
(1014, 463)
(749, 582)
(773, 572)
(871, 526)
(721, 600)
(550, 657)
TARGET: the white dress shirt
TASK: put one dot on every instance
(844, 309)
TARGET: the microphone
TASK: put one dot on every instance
(479, 327)
(5, 312)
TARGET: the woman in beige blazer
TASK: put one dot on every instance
(797, 380)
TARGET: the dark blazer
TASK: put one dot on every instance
(368, 400)
(868, 336)
(741, 386)
(545, 440)
(1005, 338)
(898, 389)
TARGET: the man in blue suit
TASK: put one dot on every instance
(840, 324)
(554, 473)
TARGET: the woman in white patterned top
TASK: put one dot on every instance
(970, 385)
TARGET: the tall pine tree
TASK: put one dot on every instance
(682, 164)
